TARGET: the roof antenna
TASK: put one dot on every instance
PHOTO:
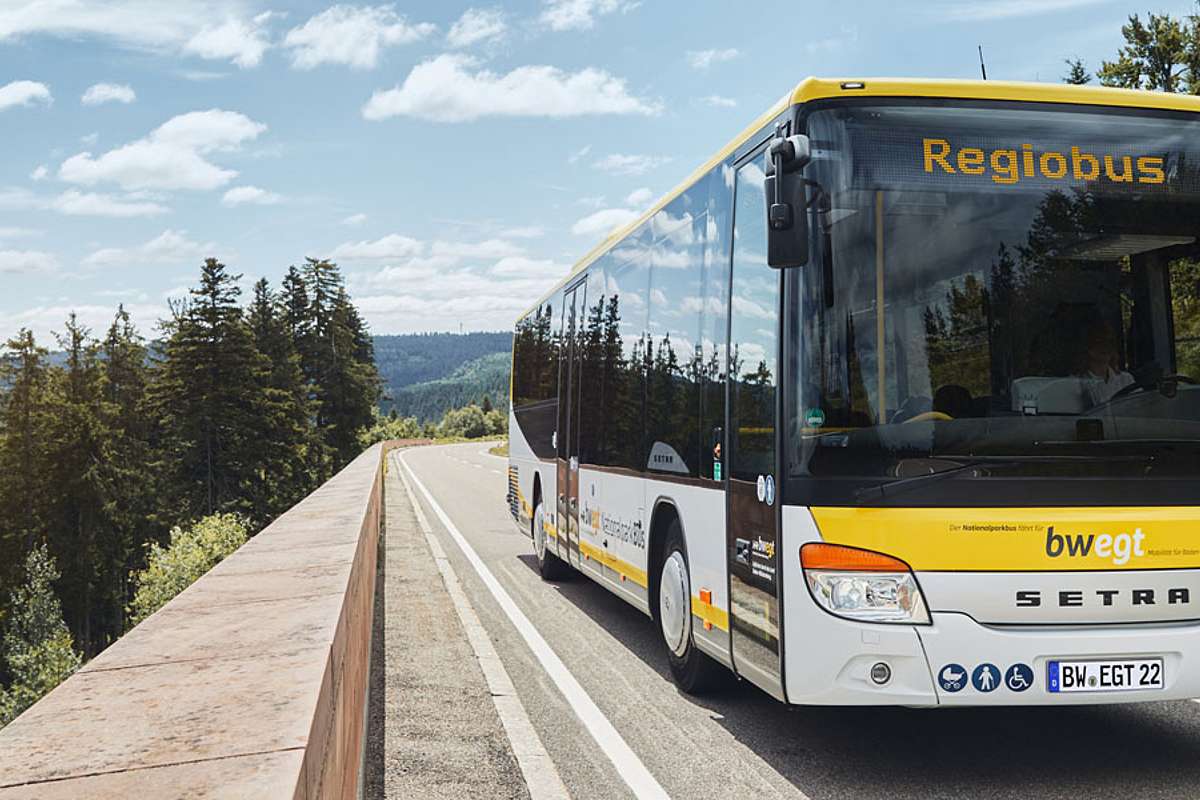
(982, 66)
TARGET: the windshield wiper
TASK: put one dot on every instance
(886, 490)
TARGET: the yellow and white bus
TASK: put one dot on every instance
(893, 401)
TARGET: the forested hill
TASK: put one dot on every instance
(426, 374)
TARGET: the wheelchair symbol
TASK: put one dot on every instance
(1019, 677)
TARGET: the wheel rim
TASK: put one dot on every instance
(673, 606)
(539, 534)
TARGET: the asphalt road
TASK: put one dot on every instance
(741, 743)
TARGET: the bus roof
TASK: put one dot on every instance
(812, 89)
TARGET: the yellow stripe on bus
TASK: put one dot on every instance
(719, 617)
(630, 572)
(1021, 539)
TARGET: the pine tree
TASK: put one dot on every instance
(24, 487)
(1077, 74)
(1161, 54)
(130, 482)
(208, 396)
(76, 445)
(285, 432)
(339, 363)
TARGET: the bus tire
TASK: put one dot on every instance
(694, 672)
(550, 566)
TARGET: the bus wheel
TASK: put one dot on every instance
(550, 567)
(693, 671)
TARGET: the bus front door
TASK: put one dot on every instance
(752, 526)
(570, 358)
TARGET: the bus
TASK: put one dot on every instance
(893, 401)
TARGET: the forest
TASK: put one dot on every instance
(122, 445)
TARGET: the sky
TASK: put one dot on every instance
(454, 159)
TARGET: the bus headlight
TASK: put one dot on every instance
(862, 585)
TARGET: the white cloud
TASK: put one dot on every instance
(19, 261)
(579, 154)
(703, 59)
(604, 221)
(39, 173)
(524, 232)
(18, 233)
(579, 15)
(523, 267)
(355, 220)
(1008, 9)
(76, 203)
(717, 101)
(350, 35)
(451, 88)
(24, 93)
(242, 195)
(240, 41)
(393, 246)
(477, 25)
(43, 320)
(169, 248)
(489, 249)
(210, 29)
(108, 93)
(171, 157)
(639, 197)
(621, 164)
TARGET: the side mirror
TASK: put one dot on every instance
(787, 202)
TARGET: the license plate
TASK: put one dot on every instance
(1105, 676)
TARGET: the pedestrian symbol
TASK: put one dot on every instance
(952, 678)
(985, 678)
(1019, 677)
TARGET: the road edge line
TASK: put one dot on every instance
(541, 776)
(631, 769)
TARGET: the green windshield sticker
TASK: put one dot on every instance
(814, 418)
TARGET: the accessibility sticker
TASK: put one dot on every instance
(1019, 677)
(985, 678)
(952, 678)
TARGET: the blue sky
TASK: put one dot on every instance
(453, 158)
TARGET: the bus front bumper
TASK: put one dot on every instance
(945, 664)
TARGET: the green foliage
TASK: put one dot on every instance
(38, 649)
(1161, 54)
(471, 422)
(1077, 74)
(389, 427)
(416, 358)
(482, 378)
(109, 443)
(193, 551)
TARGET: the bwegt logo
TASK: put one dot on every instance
(1119, 547)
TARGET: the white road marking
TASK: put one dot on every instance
(631, 769)
(541, 776)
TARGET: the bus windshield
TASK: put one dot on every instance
(1001, 307)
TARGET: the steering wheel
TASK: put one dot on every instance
(929, 416)
(1134, 387)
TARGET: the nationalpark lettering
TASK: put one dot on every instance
(1011, 166)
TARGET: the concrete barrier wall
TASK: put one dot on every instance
(250, 683)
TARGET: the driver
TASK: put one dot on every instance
(1101, 374)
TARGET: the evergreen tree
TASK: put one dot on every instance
(131, 486)
(209, 398)
(76, 445)
(338, 362)
(285, 433)
(38, 651)
(1161, 54)
(1077, 74)
(24, 483)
